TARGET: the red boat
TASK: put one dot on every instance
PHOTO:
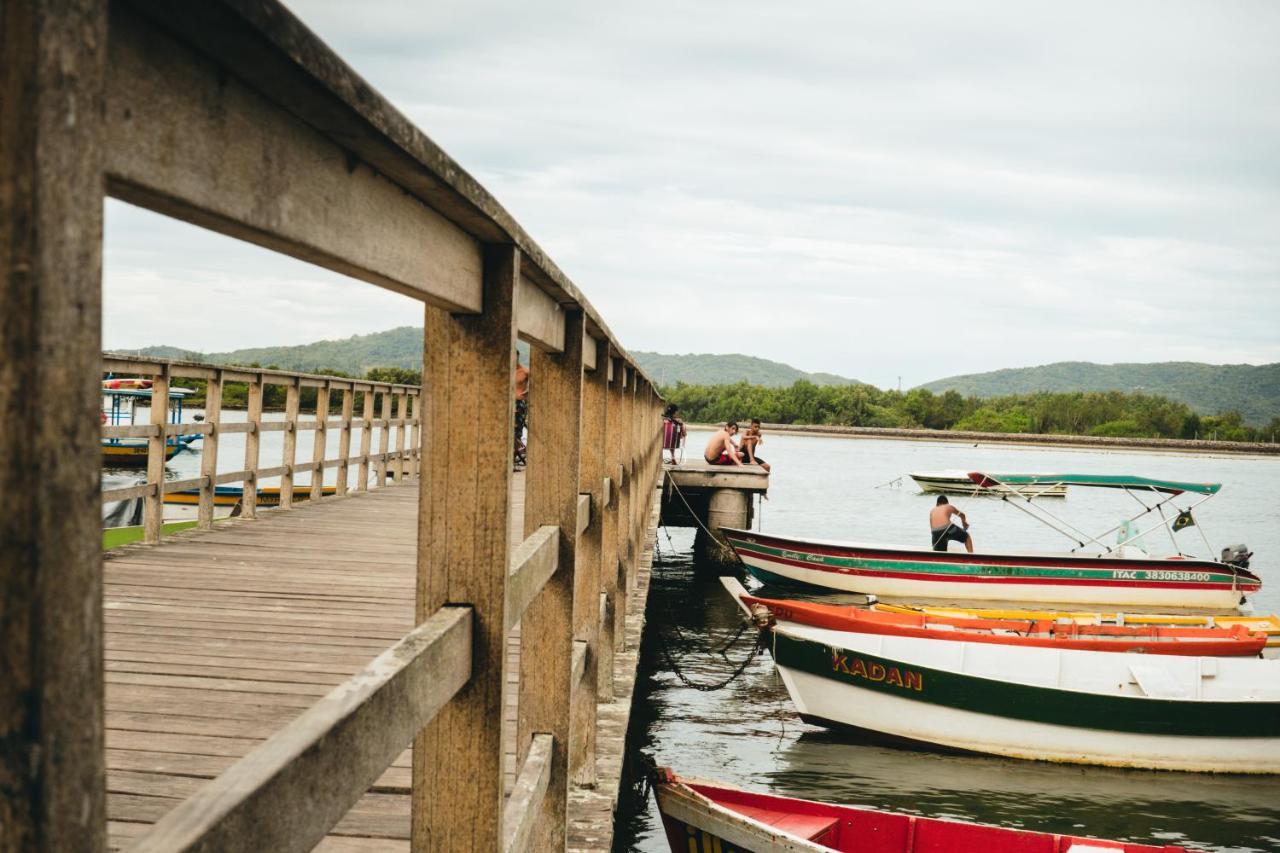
(705, 816)
(1236, 641)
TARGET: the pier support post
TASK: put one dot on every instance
(725, 508)
(463, 554)
(52, 777)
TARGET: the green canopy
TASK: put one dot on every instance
(1105, 481)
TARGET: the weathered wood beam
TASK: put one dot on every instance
(463, 554)
(539, 318)
(611, 520)
(286, 794)
(589, 347)
(586, 580)
(533, 563)
(584, 513)
(186, 137)
(546, 629)
(527, 796)
(52, 777)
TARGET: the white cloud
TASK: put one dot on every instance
(864, 188)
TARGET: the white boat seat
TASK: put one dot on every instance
(1156, 682)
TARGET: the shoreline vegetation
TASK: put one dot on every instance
(1100, 419)
(1095, 418)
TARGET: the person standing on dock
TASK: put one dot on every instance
(673, 431)
(720, 449)
(943, 529)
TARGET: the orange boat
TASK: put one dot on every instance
(1236, 641)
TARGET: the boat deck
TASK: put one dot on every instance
(216, 640)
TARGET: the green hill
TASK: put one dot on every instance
(1252, 390)
(401, 347)
(708, 369)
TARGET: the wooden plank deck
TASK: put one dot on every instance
(215, 640)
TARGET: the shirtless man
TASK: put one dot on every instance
(943, 530)
(720, 449)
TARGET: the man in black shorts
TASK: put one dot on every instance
(943, 529)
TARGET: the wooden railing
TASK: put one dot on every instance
(396, 432)
(230, 114)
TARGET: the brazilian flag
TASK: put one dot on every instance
(1184, 519)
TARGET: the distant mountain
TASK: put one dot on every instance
(708, 369)
(401, 347)
(1207, 388)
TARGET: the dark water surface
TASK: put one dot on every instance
(748, 734)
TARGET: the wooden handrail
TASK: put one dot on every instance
(286, 794)
(535, 560)
(527, 794)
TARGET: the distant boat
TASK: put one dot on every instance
(121, 397)
(1160, 712)
(711, 816)
(268, 496)
(1116, 575)
(1238, 641)
(957, 482)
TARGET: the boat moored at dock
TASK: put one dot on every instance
(1157, 712)
(701, 815)
(1237, 641)
(1115, 575)
(958, 482)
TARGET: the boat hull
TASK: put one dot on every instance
(894, 696)
(960, 483)
(950, 576)
(133, 454)
(706, 816)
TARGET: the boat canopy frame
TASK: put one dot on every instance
(1024, 487)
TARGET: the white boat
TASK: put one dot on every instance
(958, 482)
(1082, 707)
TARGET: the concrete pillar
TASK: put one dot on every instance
(725, 508)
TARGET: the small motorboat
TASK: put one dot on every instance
(230, 496)
(1115, 575)
(1236, 641)
(1268, 625)
(121, 400)
(957, 482)
(711, 816)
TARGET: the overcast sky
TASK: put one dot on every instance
(870, 189)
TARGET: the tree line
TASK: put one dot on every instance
(235, 395)
(1096, 413)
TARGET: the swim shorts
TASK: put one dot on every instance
(950, 533)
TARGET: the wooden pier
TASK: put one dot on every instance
(255, 685)
(708, 497)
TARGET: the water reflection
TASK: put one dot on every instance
(748, 734)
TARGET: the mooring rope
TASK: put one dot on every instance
(758, 646)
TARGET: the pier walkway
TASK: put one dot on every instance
(216, 640)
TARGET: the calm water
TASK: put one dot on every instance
(748, 734)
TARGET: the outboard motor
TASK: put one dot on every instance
(1237, 555)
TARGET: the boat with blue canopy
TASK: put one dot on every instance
(1096, 569)
(121, 400)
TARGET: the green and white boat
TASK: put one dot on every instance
(1219, 715)
(1092, 572)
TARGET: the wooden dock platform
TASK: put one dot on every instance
(216, 640)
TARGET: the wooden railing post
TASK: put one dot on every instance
(586, 578)
(547, 627)
(402, 430)
(366, 439)
(344, 439)
(289, 456)
(51, 200)
(384, 439)
(320, 440)
(252, 449)
(415, 439)
(609, 527)
(157, 445)
(623, 474)
(463, 549)
(209, 449)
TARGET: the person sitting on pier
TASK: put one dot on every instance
(720, 449)
(750, 440)
(942, 529)
(673, 431)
